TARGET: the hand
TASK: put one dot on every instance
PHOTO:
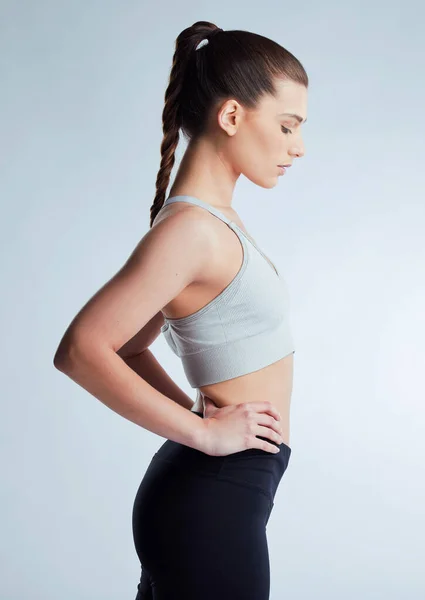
(234, 428)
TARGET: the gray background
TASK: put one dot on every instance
(82, 95)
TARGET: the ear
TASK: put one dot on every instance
(229, 116)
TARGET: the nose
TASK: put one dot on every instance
(297, 149)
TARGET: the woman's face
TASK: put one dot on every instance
(259, 140)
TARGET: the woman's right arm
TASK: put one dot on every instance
(168, 258)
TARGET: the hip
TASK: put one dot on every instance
(251, 468)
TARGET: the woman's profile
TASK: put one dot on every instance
(198, 277)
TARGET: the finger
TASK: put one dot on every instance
(268, 421)
(269, 433)
(254, 442)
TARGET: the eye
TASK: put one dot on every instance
(285, 129)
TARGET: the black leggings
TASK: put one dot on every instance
(199, 523)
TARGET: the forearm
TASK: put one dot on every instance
(108, 378)
(146, 365)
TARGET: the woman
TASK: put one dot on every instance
(201, 510)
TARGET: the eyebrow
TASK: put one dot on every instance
(297, 117)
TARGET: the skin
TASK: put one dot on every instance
(248, 142)
(184, 261)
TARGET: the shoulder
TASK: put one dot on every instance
(183, 220)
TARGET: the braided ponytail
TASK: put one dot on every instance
(186, 44)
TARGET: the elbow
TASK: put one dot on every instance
(74, 351)
(59, 360)
(66, 353)
(63, 358)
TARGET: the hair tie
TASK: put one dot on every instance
(208, 37)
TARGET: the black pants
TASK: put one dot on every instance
(199, 523)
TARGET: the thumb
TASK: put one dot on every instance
(209, 407)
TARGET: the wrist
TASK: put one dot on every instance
(201, 436)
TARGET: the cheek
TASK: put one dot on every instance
(257, 148)
(264, 139)
(256, 157)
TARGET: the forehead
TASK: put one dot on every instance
(290, 99)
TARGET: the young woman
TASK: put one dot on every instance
(197, 276)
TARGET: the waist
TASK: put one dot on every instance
(273, 383)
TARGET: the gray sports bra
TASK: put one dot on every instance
(243, 329)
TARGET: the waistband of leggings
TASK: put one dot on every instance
(284, 448)
(250, 464)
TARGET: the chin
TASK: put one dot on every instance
(271, 183)
(265, 183)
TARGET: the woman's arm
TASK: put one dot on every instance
(146, 366)
(106, 376)
(138, 357)
(173, 254)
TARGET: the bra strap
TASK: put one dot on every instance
(198, 202)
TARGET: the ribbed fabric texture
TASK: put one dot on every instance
(243, 329)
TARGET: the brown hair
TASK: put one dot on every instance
(233, 64)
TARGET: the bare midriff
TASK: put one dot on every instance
(272, 383)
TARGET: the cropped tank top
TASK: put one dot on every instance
(243, 329)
